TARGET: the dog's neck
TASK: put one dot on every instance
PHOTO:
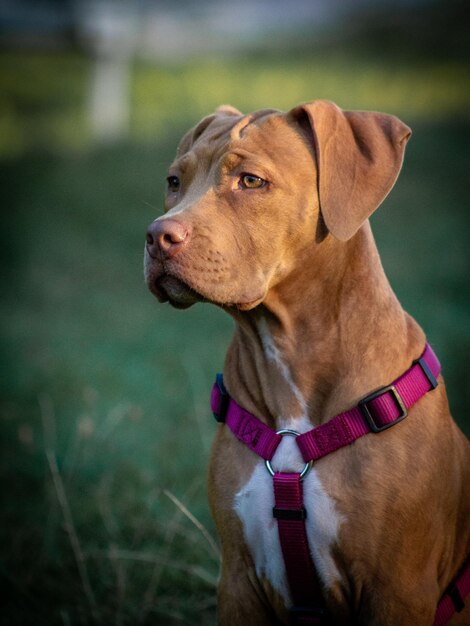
(294, 358)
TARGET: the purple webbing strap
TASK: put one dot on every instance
(384, 410)
(252, 431)
(290, 514)
(246, 427)
(454, 598)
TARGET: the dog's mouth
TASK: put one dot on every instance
(170, 289)
(179, 294)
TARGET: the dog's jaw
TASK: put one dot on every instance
(172, 282)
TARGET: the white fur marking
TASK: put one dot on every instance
(254, 506)
(254, 502)
(273, 354)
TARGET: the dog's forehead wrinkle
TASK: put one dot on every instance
(249, 120)
(240, 130)
(183, 162)
(215, 135)
(220, 128)
(206, 134)
(237, 154)
(237, 130)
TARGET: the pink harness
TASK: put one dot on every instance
(374, 413)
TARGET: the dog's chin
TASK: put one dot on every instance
(180, 295)
(176, 292)
(245, 306)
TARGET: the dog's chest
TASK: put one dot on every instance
(254, 505)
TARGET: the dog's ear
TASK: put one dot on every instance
(191, 136)
(359, 156)
(228, 109)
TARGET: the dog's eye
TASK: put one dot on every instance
(250, 181)
(173, 183)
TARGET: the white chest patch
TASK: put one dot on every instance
(254, 504)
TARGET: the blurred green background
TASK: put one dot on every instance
(104, 393)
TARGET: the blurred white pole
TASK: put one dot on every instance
(109, 28)
(109, 109)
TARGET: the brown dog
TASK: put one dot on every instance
(266, 216)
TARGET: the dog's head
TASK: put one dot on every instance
(247, 194)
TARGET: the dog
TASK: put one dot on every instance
(266, 216)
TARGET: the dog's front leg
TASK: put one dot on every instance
(241, 599)
(403, 607)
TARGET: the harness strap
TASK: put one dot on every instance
(246, 427)
(374, 413)
(290, 514)
(453, 600)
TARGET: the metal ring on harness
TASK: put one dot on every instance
(293, 433)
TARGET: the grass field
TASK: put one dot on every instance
(105, 421)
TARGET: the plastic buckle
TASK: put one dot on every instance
(426, 371)
(457, 600)
(298, 515)
(224, 399)
(368, 415)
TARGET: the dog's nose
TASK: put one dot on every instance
(166, 237)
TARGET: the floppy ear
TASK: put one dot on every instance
(228, 109)
(359, 156)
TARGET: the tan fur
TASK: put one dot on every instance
(299, 254)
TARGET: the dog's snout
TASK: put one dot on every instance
(166, 237)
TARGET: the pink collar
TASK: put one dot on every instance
(373, 414)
